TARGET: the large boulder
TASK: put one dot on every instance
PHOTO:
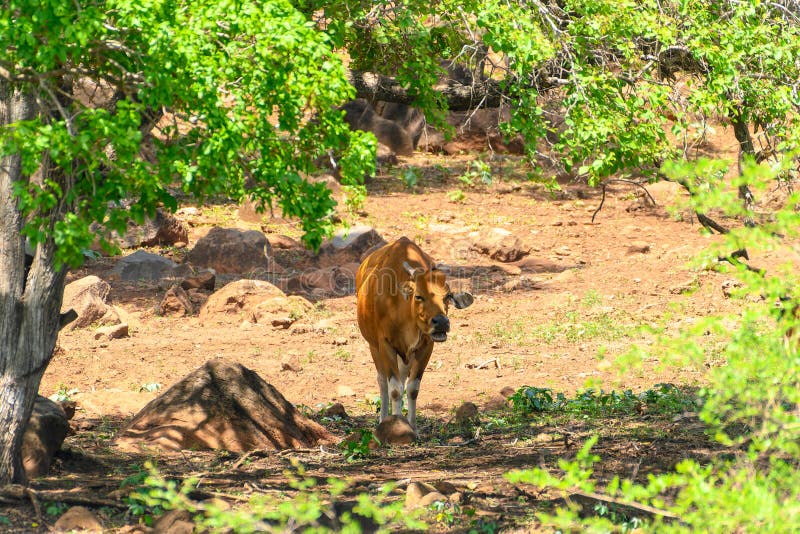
(349, 246)
(143, 265)
(255, 301)
(88, 297)
(360, 115)
(221, 405)
(44, 434)
(499, 244)
(228, 250)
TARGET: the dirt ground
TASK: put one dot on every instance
(553, 320)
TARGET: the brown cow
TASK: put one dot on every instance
(402, 310)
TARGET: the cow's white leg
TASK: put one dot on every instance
(383, 386)
(413, 391)
(396, 393)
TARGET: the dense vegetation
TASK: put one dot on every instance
(217, 97)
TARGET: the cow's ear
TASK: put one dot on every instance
(407, 289)
(462, 300)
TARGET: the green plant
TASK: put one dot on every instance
(63, 394)
(360, 448)
(150, 387)
(477, 170)
(410, 177)
(310, 509)
(343, 354)
(457, 196)
(54, 509)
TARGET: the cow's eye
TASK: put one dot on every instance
(419, 298)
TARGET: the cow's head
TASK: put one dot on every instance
(431, 297)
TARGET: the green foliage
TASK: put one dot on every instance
(309, 509)
(662, 398)
(476, 171)
(748, 403)
(238, 82)
(358, 449)
(54, 509)
(410, 177)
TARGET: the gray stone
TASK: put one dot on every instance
(349, 245)
(142, 265)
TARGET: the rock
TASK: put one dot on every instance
(161, 229)
(421, 494)
(456, 498)
(336, 410)
(205, 280)
(496, 402)
(116, 331)
(444, 487)
(345, 391)
(228, 250)
(221, 405)
(507, 391)
(256, 301)
(430, 498)
(278, 241)
(43, 436)
(168, 231)
(349, 246)
(498, 244)
(142, 265)
(89, 298)
(466, 413)
(415, 492)
(78, 519)
(330, 281)
(176, 303)
(395, 430)
(174, 522)
(360, 115)
(639, 247)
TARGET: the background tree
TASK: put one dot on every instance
(110, 109)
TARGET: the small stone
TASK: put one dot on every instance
(395, 430)
(431, 498)
(507, 391)
(175, 522)
(444, 487)
(78, 518)
(639, 247)
(116, 331)
(339, 341)
(345, 391)
(282, 322)
(205, 280)
(336, 410)
(456, 498)
(466, 413)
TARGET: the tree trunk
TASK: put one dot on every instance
(29, 308)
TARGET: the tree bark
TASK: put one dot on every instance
(29, 308)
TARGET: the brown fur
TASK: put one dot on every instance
(397, 314)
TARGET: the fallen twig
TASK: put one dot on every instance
(603, 198)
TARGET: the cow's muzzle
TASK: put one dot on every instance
(440, 326)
